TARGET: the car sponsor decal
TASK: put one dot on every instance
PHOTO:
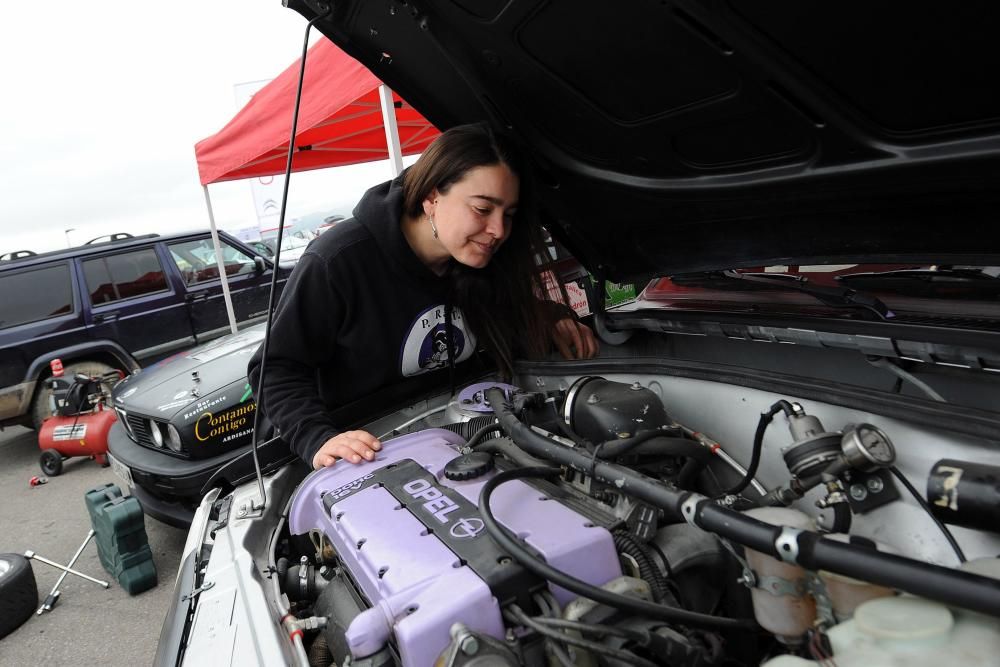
(211, 426)
(202, 406)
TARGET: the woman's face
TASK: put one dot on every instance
(475, 216)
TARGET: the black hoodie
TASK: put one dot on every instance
(360, 312)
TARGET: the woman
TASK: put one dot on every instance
(433, 264)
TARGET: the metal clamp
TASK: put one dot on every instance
(689, 508)
(779, 586)
(824, 605)
(787, 544)
(747, 577)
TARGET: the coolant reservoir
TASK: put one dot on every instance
(781, 604)
(846, 593)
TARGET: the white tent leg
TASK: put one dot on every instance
(222, 265)
(391, 130)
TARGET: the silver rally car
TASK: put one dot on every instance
(787, 452)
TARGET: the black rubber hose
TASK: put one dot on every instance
(662, 446)
(923, 504)
(482, 433)
(571, 583)
(758, 445)
(952, 587)
(689, 473)
(648, 570)
(612, 449)
(511, 451)
(841, 518)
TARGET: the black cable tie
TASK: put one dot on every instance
(593, 459)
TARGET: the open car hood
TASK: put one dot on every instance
(683, 136)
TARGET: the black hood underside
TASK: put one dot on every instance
(675, 136)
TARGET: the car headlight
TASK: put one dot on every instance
(173, 438)
(156, 433)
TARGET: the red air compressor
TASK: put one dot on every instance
(81, 419)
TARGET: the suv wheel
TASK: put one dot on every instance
(40, 407)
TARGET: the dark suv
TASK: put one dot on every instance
(122, 303)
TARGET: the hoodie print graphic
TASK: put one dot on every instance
(425, 347)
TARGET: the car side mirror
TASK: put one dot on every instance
(259, 263)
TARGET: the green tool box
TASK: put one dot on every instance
(122, 544)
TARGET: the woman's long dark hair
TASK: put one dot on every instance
(502, 301)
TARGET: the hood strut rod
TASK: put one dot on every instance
(259, 389)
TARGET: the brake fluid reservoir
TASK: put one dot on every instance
(846, 593)
(781, 603)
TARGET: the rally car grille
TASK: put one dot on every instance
(140, 429)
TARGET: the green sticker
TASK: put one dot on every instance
(617, 293)
(247, 391)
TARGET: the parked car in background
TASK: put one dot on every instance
(119, 304)
(182, 419)
(292, 247)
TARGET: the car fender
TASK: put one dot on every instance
(71, 353)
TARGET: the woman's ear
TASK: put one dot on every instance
(430, 202)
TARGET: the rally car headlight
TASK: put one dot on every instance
(156, 433)
(173, 438)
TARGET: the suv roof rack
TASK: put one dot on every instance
(117, 236)
(16, 254)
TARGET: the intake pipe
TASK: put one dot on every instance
(803, 547)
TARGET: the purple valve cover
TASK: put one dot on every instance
(417, 586)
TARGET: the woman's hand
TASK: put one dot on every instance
(352, 446)
(575, 340)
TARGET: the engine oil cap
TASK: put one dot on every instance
(468, 466)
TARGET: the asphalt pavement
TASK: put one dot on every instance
(90, 625)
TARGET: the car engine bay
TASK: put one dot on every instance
(590, 521)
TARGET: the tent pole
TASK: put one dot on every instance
(391, 130)
(218, 260)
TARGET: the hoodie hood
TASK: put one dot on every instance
(380, 211)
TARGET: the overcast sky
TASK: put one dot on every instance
(103, 103)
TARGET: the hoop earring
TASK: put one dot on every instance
(434, 229)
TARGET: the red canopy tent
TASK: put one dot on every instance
(340, 122)
(346, 116)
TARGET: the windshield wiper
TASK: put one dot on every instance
(940, 282)
(841, 297)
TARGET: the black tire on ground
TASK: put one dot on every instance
(40, 410)
(51, 462)
(18, 592)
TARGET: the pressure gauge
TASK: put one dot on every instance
(867, 448)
